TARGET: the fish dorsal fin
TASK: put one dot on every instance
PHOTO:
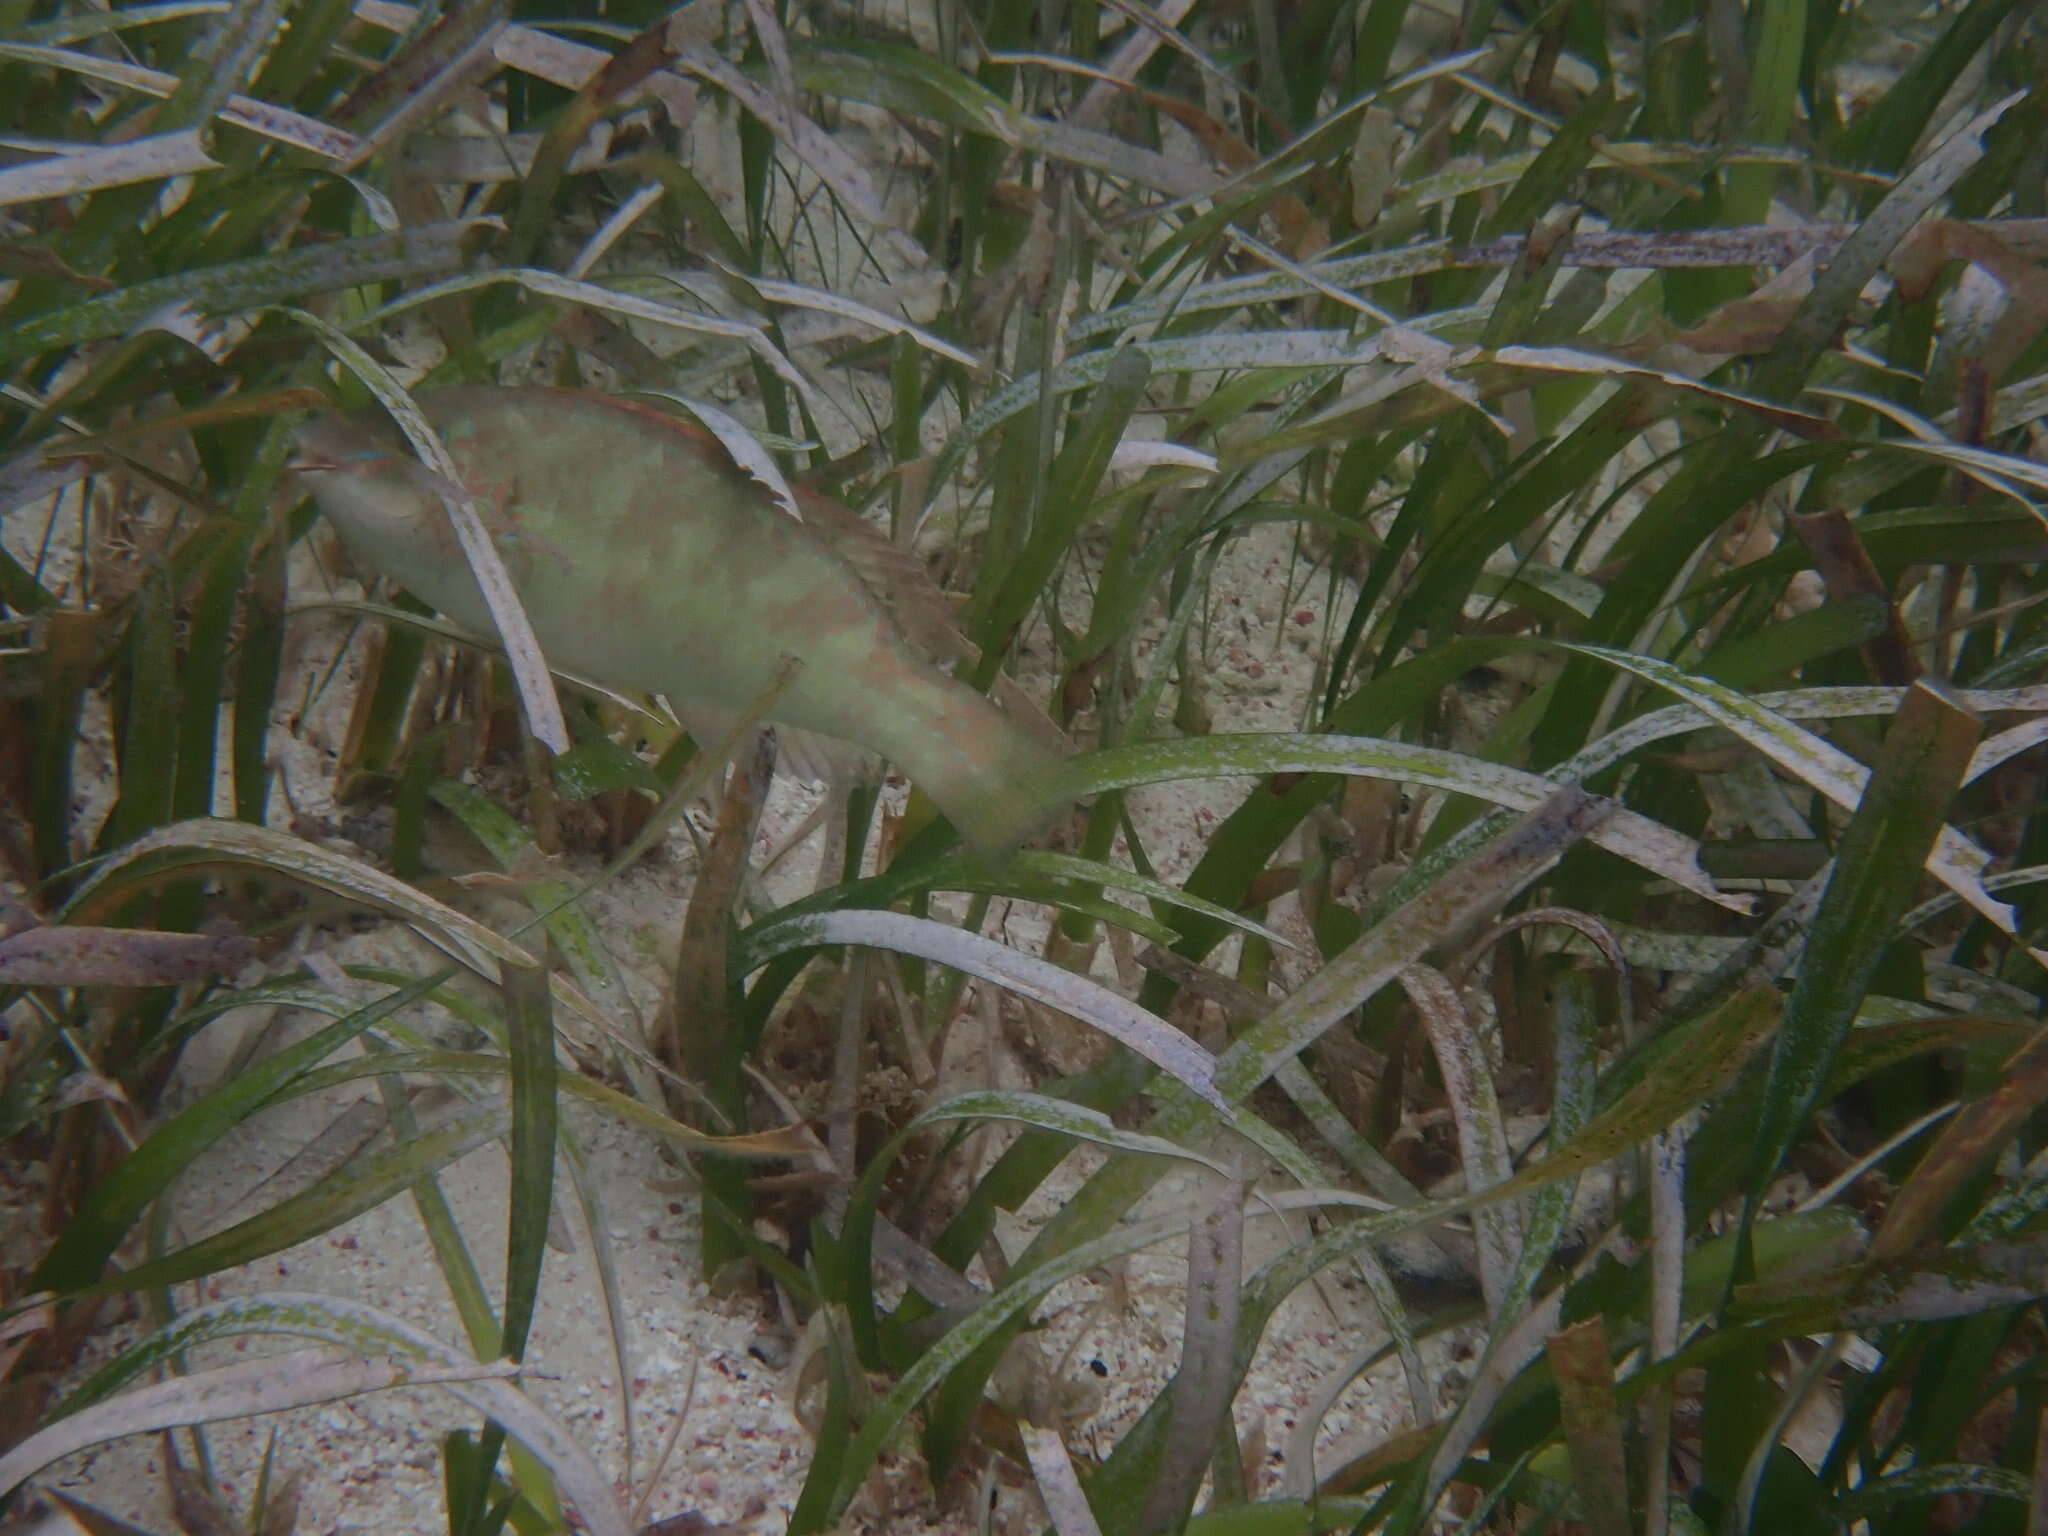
(893, 576)
(745, 451)
(919, 605)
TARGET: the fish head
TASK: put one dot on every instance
(385, 503)
(332, 443)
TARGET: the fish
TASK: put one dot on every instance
(647, 559)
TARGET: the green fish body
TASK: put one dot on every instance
(646, 558)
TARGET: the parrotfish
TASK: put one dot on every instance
(646, 558)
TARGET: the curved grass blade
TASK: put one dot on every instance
(1203, 1387)
(1059, 1116)
(1959, 1281)
(237, 287)
(438, 628)
(71, 955)
(986, 1323)
(530, 1056)
(242, 1390)
(363, 1185)
(1452, 904)
(187, 848)
(1884, 136)
(158, 157)
(368, 1330)
(1965, 1145)
(625, 303)
(62, 30)
(568, 924)
(1713, 1050)
(105, 1216)
(1956, 861)
(1826, 306)
(1877, 864)
(1066, 1118)
(789, 1143)
(796, 296)
(1721, 1043)
(1144, 1032)
(1476, 1115)
(1625, 833)
(1585, 1387)
(1059, 1488)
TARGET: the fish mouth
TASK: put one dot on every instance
(311, 460)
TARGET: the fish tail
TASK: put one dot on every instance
(997, 782)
